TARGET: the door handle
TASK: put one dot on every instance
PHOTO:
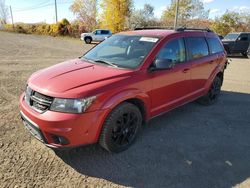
(185, 70)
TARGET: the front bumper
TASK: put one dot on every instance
(60, 130)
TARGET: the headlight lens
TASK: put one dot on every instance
(71, 105)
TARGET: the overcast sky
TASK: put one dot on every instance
(31, 11)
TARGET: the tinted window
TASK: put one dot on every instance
(105, 32)
(243, 37)
(173, 52)
(197, 47)
(214, 45)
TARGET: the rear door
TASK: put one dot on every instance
(170, 87)
(105, 34)
(216, 50)
(202, 63)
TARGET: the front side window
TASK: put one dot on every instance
(97, 32)
(214, 45)
(243, 37)
(197, 47)
(125, 51)
(173, 52)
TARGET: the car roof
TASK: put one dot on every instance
(149, 32)
(103, 29)
(162, 32)
(239, 33)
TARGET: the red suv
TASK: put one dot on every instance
(107, 94)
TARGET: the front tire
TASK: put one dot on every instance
(88, 40)
(121, 127)
(213, 94)
(244, 54)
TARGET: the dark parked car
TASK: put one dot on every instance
(237, 43)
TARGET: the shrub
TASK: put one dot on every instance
(19, 29)
(54, 30)
(62, 28)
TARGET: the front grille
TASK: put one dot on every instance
(37, 101)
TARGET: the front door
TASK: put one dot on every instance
(242, 43)
(170, 86)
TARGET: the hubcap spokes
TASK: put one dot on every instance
(125, 129)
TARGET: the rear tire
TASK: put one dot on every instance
(121, 127)
(213, 94)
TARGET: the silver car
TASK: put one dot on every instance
(98, 35)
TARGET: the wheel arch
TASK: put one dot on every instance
(220, 75)
(141, 100)
(219, 71)
(140, 104)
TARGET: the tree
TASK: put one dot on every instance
(142, 17)
(115, 14)
(188, 9)
(86, 12)
(4, 13)
(231, 22)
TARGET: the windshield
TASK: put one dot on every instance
(231, 36)
(125, 51)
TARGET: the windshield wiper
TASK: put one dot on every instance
(105, 62)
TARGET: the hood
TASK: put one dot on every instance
(63, 78)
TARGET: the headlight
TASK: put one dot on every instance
(71, 105)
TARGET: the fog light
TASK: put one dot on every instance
(60, 140)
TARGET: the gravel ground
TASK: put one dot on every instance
(192, 146)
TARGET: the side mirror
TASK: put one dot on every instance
(162, 64)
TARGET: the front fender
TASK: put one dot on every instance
(122, 96)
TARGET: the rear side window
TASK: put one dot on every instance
(214, 45)
(173, 51)
(105, 32)
(197, 47)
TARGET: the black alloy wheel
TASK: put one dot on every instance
(121, 127)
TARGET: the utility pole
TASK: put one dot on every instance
(176, 14)
(12, 21)
(56, 11)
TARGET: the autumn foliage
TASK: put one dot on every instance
(115, 13)
(120, 15)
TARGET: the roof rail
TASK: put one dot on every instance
(152, 27)
(171, 28)
(193, 29)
